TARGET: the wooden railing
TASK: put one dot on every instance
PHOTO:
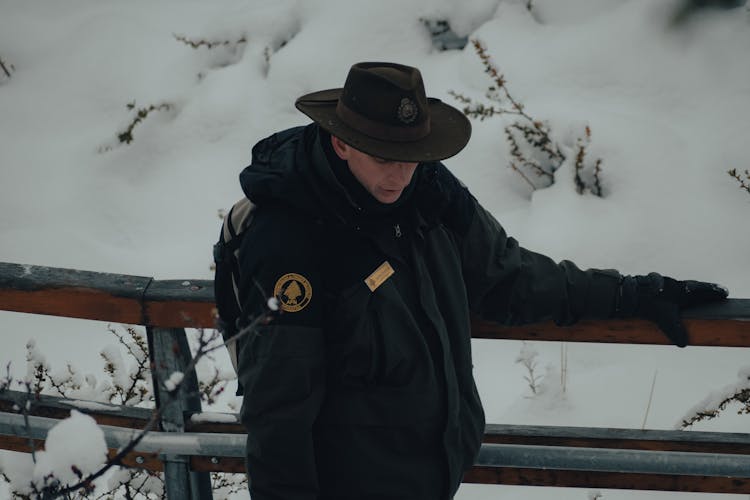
(517, 455)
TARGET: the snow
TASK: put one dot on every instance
(273, 304)
(173, 381)
(18, 468)
(213, 417)
(667, 106)
(116, 364)
(76, 442)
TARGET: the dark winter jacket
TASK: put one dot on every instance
(364, 390)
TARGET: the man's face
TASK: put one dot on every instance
(385, 180)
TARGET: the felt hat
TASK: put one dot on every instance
(382, 110)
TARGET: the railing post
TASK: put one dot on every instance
(170, 352)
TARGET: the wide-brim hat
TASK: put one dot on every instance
(383, 111)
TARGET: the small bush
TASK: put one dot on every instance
(126, 136)
(140, 115)
(535, 155)
(196, 44)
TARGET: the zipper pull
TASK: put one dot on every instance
(397, 229)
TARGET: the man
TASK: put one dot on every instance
(362, 387)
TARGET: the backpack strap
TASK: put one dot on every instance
(235, 223)
(227, 278)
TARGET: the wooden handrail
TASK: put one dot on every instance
(118, 298)
(562, 478)
(730, 332)
(190, 304)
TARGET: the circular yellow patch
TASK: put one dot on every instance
(293, 291)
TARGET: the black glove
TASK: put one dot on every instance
(660, 299)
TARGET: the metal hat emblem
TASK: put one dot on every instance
(407, 110)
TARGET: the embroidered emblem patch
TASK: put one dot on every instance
(407, 110)
(379, 275)
(293, 291)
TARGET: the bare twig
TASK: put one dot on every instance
(564, 366)
(527, 358)
(138, 378)
(597, 189)
(498, 78)
(7, 380)
(515, 168)
(744, 183)
(229, 483)
(594, 185)
(210, 390)
(580, 155)
(538, 138)
(5, 68)
(25, 410)
(650, 399)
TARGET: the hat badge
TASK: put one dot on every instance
(407, 111)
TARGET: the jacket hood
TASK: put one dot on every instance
(273, 174)
(290, 168)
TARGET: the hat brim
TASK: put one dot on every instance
(449, 130)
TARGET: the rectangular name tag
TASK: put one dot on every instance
(378, 277)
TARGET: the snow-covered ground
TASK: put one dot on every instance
(667, 105)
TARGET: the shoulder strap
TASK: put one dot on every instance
(227, 276)
(235, 223)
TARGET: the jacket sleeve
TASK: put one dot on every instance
(280, 364)
(512, 285)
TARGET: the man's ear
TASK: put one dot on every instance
(341, 148)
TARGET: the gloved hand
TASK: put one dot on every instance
(660, 299)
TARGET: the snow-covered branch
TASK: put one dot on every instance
(716, 402)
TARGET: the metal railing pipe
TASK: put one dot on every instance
(187, 443)
(606, 460)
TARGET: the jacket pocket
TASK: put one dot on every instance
(350, 333)
(373, 341)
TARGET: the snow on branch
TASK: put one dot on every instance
(712, 405)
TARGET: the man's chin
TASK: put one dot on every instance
(388, 196)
